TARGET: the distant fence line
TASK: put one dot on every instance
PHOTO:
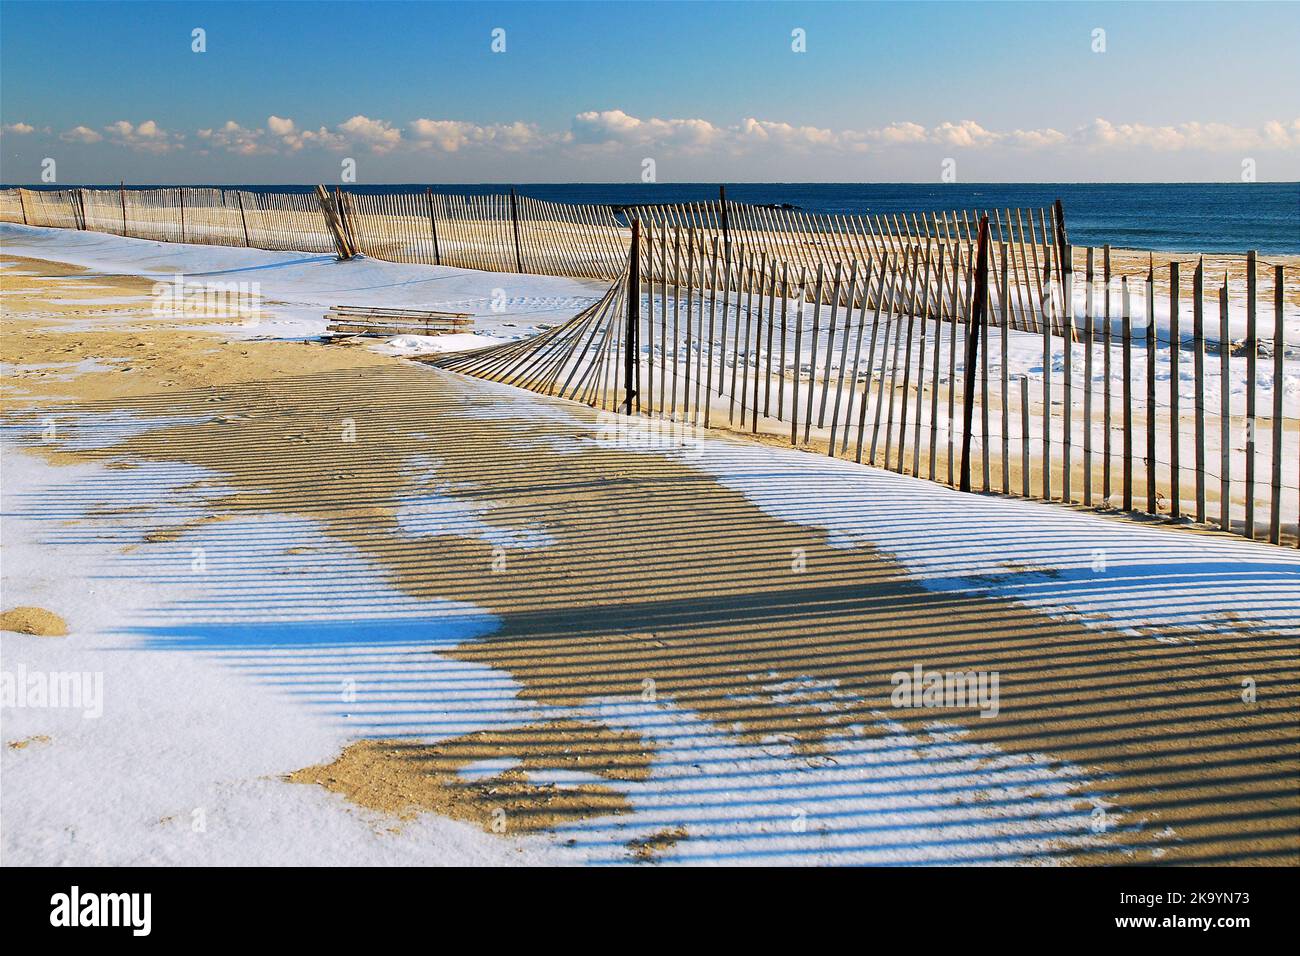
(506, 232)
(872, 375)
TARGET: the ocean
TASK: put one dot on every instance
(1171, 217)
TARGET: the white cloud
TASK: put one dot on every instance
(607, 128)
(380, 135)
(236, 139)
(896, 134)
(1036, 138)
(147, 136)
(80, 134)
(279, 136)
(615, 127)
(1103, 134)
(967, 133)
(607, 132)
(612, 128)
(765, 132)
(451, 136)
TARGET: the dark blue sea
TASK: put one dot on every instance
(1175, 217)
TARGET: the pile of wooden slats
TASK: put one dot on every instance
(350, 320)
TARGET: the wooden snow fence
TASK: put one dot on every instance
(507, 232)
(889, 362)
(843, 332)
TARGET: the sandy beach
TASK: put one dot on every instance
(370, 610)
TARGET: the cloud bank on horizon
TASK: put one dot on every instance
(616, 142)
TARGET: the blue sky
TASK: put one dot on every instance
(589, 91)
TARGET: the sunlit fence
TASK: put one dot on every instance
(1135, 396)
(507, 232)
(1065, 373)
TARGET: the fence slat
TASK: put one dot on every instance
(1225, 411)
(1252, 350)
(1275, 463)
(1198, 366)
(1175, 387)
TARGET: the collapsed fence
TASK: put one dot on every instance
(910, 361)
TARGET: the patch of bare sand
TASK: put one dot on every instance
(657, 844)
(656, 572)
(403, 779)
(33, 620)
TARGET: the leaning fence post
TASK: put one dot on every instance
(630, 348)
(332, 222)
(514, 216)
(345, 221)
(973, 331)
(433, 227)
(242, 218)
(122, 195)
(1064, 255)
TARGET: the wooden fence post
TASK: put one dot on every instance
(1024, 436)
(978, 317)
(341, 213)
(1105, 374)
(242, 218)
(1225, 411)
(1066, 270)
(1275, 463)
(631, 350)
(1089, 306)
(1151, 386)
(1175, 413)
(433, 227)
(1252, 352)
(726, 229)
(332, 223)
(1198, 366)
(1064, 255)
(514, 217)
(1126, 389)
(122, 195)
